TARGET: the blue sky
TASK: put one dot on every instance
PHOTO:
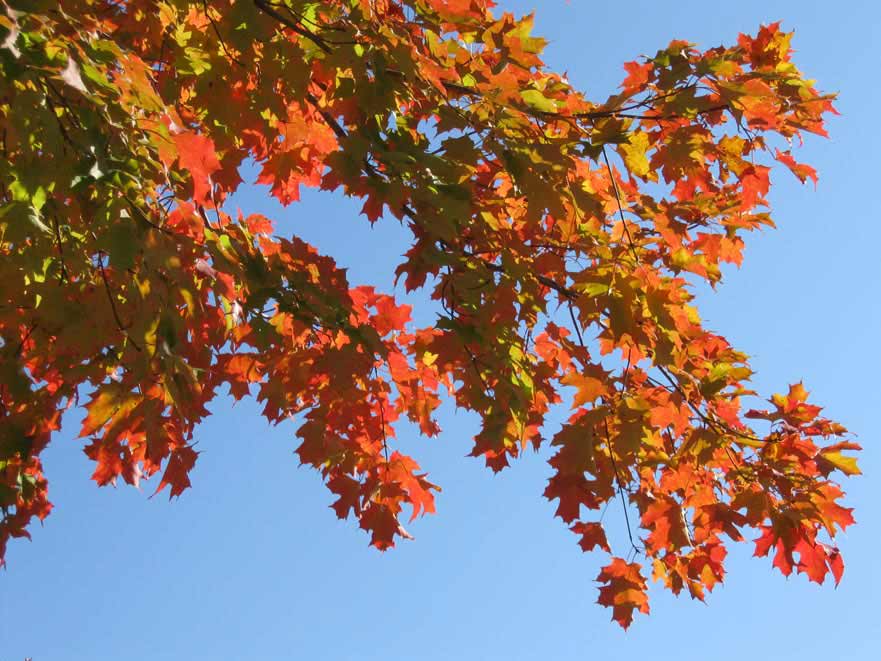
(251, 563)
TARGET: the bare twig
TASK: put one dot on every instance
(122, 328)
(620, 207)
(267, 9)
(633, 545)
(63, 275)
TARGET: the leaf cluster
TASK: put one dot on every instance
(562, 238)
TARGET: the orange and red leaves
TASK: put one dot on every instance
(624, 590)
(196, 154)
(682, 155)
(372, 207)
(755, 183)
(298, 156)
(506, 225)
(239, 371)
(184, 220)
(700, 569)
(549, 346)
(717, 248)
(592, 535)
(23, 496)
(666, 520)
(638, 75)
(285, 172)
(112, 459)
(135, 434)
(348, 492)
(830, 514)
(389, 316)
(768, 48)
(668, 410)
(815, 558)
(718, 517)
(588, 387)
(417, 387)
(381, 522)
(793, 410)
(793, 407)
(177, 471)
(259, 224)
(349, 427)
(800, 170)
(573, 491)
(402, 471)
(376, 493)
(772, 93)
(757, 102)
(818, 559)
(455, 11)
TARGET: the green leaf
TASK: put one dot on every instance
(538, 101)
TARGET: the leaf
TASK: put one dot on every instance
(637, 76)
(803, 172)
(847, 465)
(176, 475)
(197, 155)
(592, 535)
(624, 590)
(71, 76)
(589, 388)
(755, 184)
(538, 101)
(106, 403)
(635, 154)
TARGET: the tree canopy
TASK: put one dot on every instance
(560, 238)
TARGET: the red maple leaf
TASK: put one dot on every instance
(197, 154)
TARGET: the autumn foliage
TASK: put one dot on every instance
(561, 237)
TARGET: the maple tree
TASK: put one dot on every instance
(561, 237)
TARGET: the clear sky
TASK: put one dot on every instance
(251, 563)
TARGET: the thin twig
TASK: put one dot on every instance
(700, 414)
(63, 275)
(636, 549)
(620, 207)
(110, 298)
(576, 325)
(265, 7)
(219, 37)
(21, 344)
(382, 422)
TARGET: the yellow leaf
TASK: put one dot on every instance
(634, 154)
(538, 101)
(847, 465)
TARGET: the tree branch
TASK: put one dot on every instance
(110, 298)
(267, 9)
